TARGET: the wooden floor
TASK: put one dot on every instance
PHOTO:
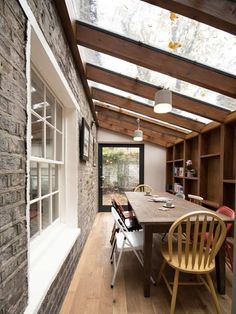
(90, 290)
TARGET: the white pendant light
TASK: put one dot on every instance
(138, 134)
(163, 101)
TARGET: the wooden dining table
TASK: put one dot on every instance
(155, 220)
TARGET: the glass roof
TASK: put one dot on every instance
(167, 31)
(158, 79)
(146, 101)
(163, 29)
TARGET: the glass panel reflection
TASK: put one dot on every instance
(55, 206)
(49, 142)
(33, 180)
(50, 107)
(59, 146)
(45, 179)
(120, 170)
(59, 117)
(54, 177)
(37, 94)
(34, 219)
(45, 212)
(37, 131)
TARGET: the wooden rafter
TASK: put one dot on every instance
(118, 129)
(147, 90)
(121, 119)
(144, 118)
(219, 14)
(145, 110)
(155, 59)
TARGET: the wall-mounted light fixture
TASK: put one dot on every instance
(138, 134)
(163, 101)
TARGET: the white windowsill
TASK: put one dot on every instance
(47, 254)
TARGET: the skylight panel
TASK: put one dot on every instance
(159, 28)
(158, 79)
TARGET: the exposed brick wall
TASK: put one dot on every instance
(13, 237)
(49, 22)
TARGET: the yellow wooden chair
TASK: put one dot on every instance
(143, 188)
(193, 255)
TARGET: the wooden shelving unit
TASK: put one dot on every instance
(229, 165)
(213, 155)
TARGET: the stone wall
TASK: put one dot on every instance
(13, 236)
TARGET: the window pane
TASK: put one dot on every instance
(45, 212)
(54, 177)
(49, 142)
(50, 107)
(44, 179)
(59, 117)
(33, 180)
(37, 94)
(55, 209)
(37, 137)
(34, 219)
(59, 146)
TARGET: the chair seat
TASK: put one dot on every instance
(135, 237)
(175, 263)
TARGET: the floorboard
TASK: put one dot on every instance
(90, 290)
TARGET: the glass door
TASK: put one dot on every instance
(121, 169)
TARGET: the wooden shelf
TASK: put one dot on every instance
(210, 155)
(211, 204)
(230, 181)
(191, 178)
(213, 156)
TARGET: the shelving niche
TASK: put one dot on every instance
(213, 155)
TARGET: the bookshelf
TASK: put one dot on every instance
(213, 156)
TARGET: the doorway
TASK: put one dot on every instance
(121, 169)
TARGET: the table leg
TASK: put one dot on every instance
(220, 270)
(147, 259)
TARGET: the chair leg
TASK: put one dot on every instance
(116, 266)
(113, 249)
(213, 293)
(174, 293)
(161, 271)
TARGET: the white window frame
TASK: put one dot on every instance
(44, 160)
(47, 253)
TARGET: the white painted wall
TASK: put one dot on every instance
(154, 158)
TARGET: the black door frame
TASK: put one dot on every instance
(107, 208)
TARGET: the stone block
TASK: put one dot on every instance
(10, 162)
(16, 145)
(3, 104)
(7, 124)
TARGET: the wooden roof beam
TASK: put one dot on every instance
(155, 59)
(124, 121)
(146, 90)
(145, 110)
(219, 14)
(131, 118)
(111, 127)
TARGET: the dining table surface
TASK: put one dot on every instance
(154, 217)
